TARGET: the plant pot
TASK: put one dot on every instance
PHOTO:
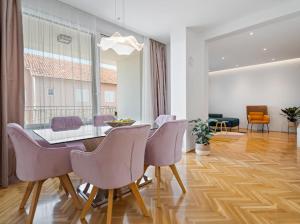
(202, 150)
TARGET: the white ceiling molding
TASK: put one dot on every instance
(230, 71)
(273, 42)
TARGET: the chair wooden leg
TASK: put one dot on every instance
(67, 184)
(157, 171)
(110, 206)
(175, 172)
(268, 128)
(26, 195)
(35, 198)
(140, 179)
(217, 125)
(251, 127)
(88, 202)
(62, 186)
(138, 198)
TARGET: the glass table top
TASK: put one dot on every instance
(84, 132)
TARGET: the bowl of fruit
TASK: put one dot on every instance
(120, 123)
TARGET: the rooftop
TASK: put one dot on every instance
(65, 69)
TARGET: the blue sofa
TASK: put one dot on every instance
(230, 122)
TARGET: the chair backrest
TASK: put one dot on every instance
(65, 123)
(121, 156)
(161, 119)
(215, 115)
(26, 150)
(164, 147)
(259, 108)
(99, 120)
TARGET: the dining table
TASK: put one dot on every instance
(91, 136)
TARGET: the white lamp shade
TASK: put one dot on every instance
(121, 45)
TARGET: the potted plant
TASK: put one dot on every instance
(291, 113)
(203, 135)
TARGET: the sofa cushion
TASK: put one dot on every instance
(215, 115)
(257, 116)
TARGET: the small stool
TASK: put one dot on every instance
(221, 124)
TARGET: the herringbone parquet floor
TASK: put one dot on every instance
(250, 179)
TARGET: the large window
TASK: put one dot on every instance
(60, 79)
(121, 83)
(57, 71)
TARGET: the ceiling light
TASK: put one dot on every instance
(121, 45)
(223, 58)
(236, 65)
(273, 59)
(265, 49)
(251, 33)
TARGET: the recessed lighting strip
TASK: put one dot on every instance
(256, 66)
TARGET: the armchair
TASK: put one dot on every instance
(35, 164)
(118, 161)
(258, 115)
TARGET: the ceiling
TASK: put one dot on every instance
(274, 42)
(156, 18)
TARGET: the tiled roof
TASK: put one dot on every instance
(63, 69)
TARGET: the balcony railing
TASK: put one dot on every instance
(41, 115)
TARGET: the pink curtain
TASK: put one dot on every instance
(159, 77)
(11, 80)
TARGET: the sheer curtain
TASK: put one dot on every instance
(58, 68)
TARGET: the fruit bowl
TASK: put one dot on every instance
(120, 123)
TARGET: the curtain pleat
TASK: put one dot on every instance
(12, 81)
(159, 77)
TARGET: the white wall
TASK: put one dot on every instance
(276, 85)
(197, 81)
(197, 76)
(188, 78)
(129, 87)
(178, 72)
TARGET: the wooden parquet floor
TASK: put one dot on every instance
(251, 179)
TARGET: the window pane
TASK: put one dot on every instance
(57, 71)
(109, 97)
(120, 84)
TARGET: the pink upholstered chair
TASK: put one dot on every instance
(117, 162)
(64, 124)
(35, 164)
(161, 119)
(164, 148)
(99, 120)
